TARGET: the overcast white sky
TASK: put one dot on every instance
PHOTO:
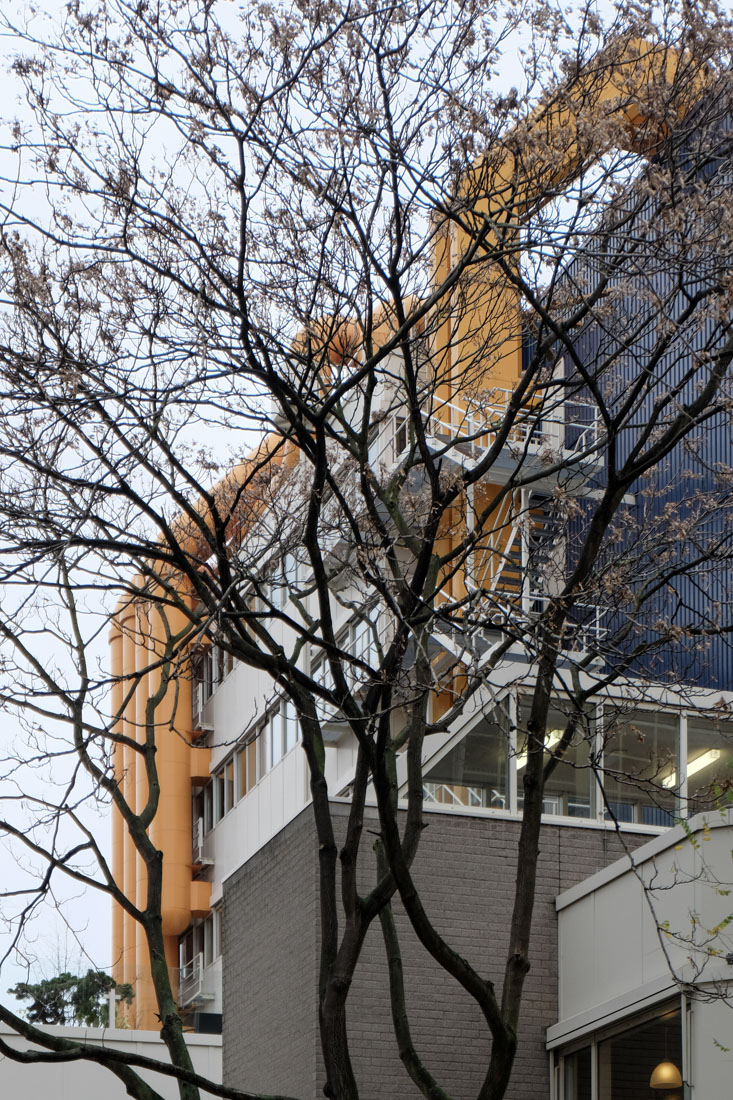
(53, 941)
(77, 935)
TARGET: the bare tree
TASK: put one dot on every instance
(488, 334)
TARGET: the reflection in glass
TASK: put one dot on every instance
(709, 764)
(577, 1075)
(228, 786)
(640, 767)
(569, 789)
(474, 772)
(626, 1061)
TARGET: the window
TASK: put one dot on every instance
(201, 944)
(203, 676)
(227, 664)
(209, 666)
(474, 772)
(246, 769)
(202, 817)
(569, 791)
(211, 929)
(219, 795)
(362, 643)
(223, 790)
(190, 946)
(293, 572)
(625, 1060)
(208, 941)
(217, 923)
(276, 587)
(260, 752)
(401, 435)
(709, 764)
(292, 725)
(282, 581)
(359, 639)
(280, 734)
(228, 785)
(577, 1075)
(275, 737)
(321, 673)
(641, 766)
(208, 807)
(185, 949)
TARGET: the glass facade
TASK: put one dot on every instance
(641, 767)
(577, 1075)
(474, 772)
(709, 764)
(570, 788)
(625, 1061)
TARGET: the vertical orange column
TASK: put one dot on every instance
(171, 829)
(138, 644)
(127, 626)
(144, 993)
(440, 358)
(118, 824)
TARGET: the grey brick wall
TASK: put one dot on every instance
(465, 869)
(270, 996)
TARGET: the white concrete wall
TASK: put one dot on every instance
(711, 1047)
(86, 1081)
(627, 934)
(237, 703)
(275, 800)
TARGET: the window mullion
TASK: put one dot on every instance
(512, 707)
(682, 766)
(598, 754)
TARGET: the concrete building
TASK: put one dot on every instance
(248, 956)
(241, 897)
(645, 966)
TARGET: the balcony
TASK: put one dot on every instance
(190, 981)
(198, 856)
(202, 691)
(463, 432)
(194, 987)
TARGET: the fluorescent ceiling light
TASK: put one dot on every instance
(551, 739)
(696, 765)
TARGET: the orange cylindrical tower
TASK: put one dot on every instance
(171, 829)
(118, 825)
(144, 991)
(441, 337)
(126, 621)
(138, 643)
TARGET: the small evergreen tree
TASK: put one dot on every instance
(71, 999)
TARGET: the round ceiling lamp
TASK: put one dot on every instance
(666, 1076)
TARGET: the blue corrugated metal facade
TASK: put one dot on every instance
(679, 524)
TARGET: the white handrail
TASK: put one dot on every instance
(189, 979)
(473, 421)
